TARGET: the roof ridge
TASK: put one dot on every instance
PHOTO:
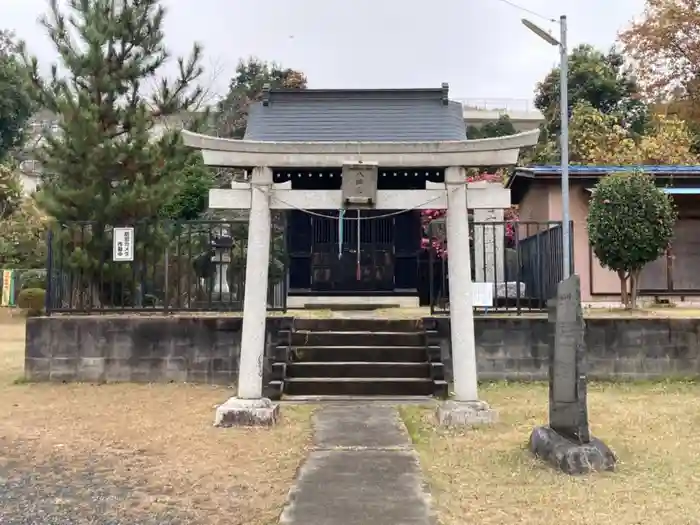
(356, 90)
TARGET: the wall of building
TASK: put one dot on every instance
(517, 348)
(598, 284)
(594, 278)
(678, 269)
(543, 203)
(139, 349)
(535, 205)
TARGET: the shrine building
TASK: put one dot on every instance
(401, 143)
(375, 258)
(380, 155)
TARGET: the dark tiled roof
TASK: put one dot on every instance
(356, 115)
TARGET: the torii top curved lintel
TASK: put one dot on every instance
(498, 151)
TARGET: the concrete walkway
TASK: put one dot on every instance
(362, 471)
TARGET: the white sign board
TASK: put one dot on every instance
(482, 295)
(123, 244)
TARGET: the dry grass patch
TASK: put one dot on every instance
(157, 441)
(660, 312)
(487, 476)
(650, 312)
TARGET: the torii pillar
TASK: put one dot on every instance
(464, 408)
(260, 196)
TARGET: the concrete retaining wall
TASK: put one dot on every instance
(138, 349)
(620, 349)
(206, 349)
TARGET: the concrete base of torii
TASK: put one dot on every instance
(465, 413)
(238, 412)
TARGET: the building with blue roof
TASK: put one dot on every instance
(536, 190)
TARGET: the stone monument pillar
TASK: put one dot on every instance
(489, 246)
(567, 443)
(249, 408)
(465, 408)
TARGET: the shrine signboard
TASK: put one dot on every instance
(359, 186)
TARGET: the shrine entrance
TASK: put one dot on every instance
(368, 167)
(332, 252)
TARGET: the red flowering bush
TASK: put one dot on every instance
(434, 237)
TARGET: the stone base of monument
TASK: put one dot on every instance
(568, 456)
(465, 413)
(219, 301)
(247, 413)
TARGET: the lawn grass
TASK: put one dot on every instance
(487, 476)
(158, 438)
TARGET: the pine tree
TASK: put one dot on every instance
(15, 104)
(104, 164)
(108, 164)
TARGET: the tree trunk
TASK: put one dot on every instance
(624, 296)
(634, 284)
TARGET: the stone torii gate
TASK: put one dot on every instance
(260, 195)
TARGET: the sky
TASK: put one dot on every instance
(479, 47)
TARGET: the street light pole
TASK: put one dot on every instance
(564, 148)
(564, 137)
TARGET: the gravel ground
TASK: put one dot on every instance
(59, 491)
(135, 454)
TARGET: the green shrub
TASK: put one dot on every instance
(32, 300)
(630, 224)
(32, 279)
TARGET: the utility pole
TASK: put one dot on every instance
(564, 137)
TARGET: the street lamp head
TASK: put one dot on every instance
(540, 32)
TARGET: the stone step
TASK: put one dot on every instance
(441, 389)
(437, 371)
(358, 386)
(279, 371)
(358, 324)
(352, 303)
(274, 389)
(389, 400)
(394, 354)
(340, 369)
(353, 338)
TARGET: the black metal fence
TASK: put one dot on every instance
(515, 265)
(170, 267)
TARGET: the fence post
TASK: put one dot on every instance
(571, 248)
(519, 268)
(48, 298)
(287, 264)
(166, 287)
